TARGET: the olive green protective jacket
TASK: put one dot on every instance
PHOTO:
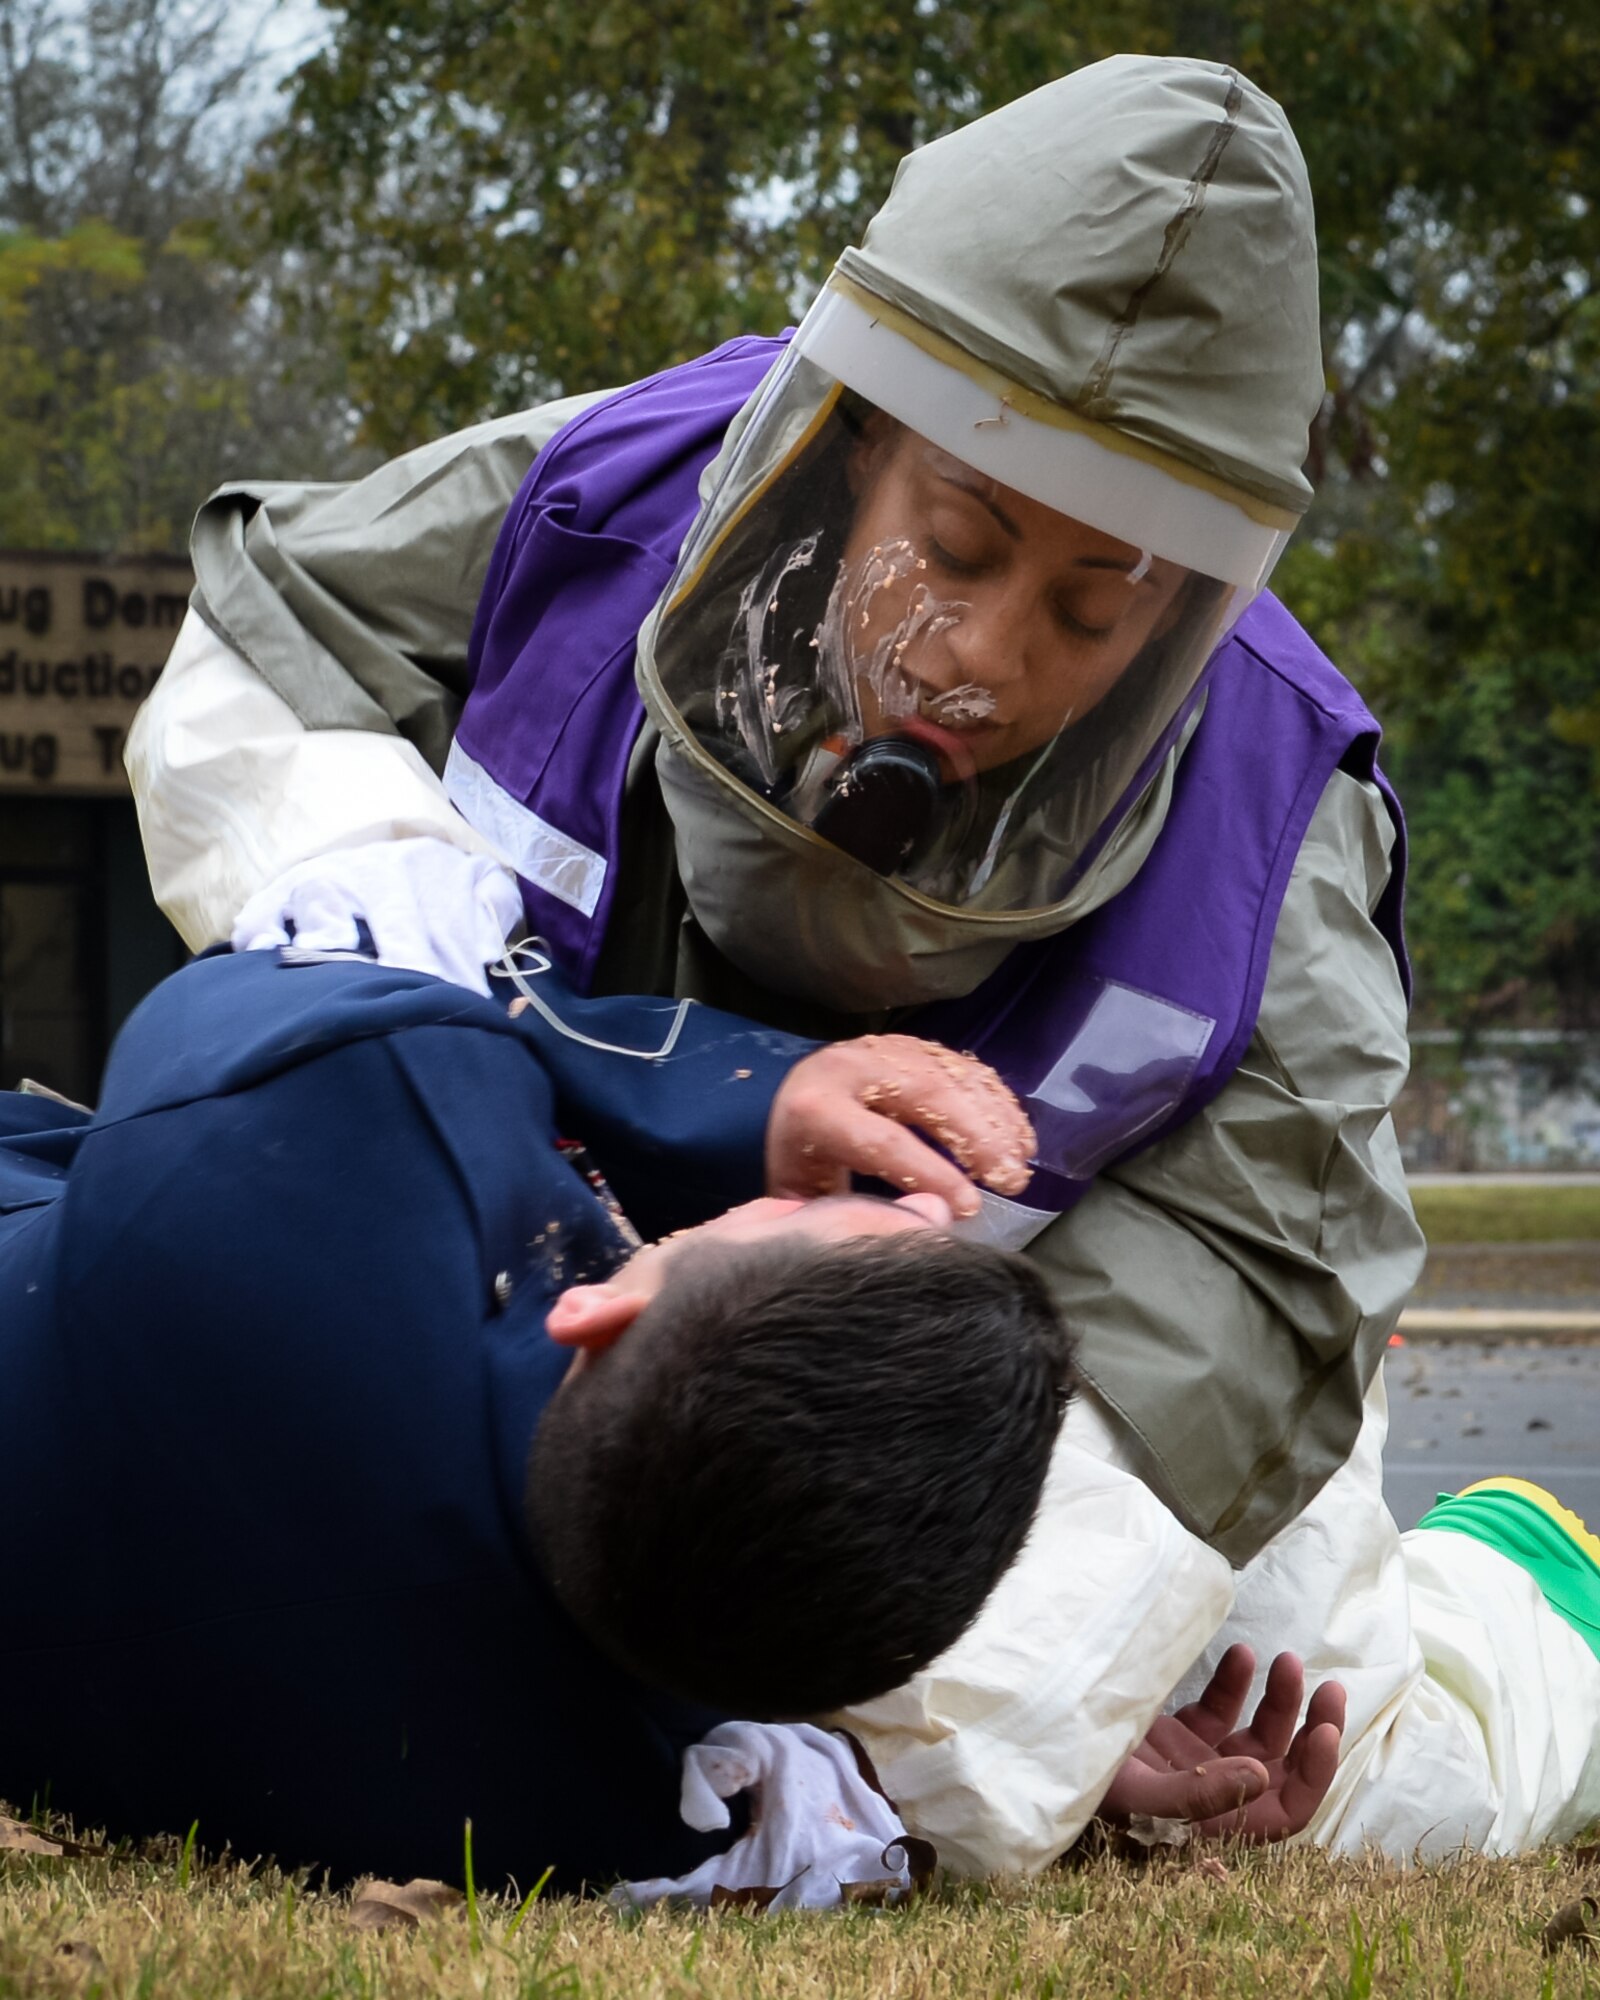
(1233, 1287)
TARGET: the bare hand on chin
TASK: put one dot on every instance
(857, 1107)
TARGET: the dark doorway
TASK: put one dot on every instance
(80, 940)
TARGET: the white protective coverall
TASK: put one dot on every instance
(1202, 1492)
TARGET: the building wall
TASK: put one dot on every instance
(1522, 1100)
(81, 642)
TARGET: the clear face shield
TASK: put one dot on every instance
(952, 636)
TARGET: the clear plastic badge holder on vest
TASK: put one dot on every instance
(1122, 1073)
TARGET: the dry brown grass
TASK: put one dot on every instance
(1274, 1923)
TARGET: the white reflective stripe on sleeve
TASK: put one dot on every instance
(541, 853)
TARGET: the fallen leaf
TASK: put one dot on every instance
(865, 1766)
(879, 1894)
(383, 1906)
(1571, 1925)
(1134, 1845)
(20, 1839)
(752, 1898)
(1149, 1830)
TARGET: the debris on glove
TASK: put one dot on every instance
(822, 1832)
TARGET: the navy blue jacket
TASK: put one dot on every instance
(267, 1411)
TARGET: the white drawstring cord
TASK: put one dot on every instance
(507, 967)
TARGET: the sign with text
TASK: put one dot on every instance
(82, 639)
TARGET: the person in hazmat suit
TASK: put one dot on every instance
(918, 671)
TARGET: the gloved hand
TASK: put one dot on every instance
(821, 1833)
(851, 1107)
(423, 904)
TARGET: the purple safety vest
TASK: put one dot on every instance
(1113, 1031)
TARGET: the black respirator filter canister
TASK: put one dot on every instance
(882, 802)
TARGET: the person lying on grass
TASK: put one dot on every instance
(626, 1421)
(310, 1550)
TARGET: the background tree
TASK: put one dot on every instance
(500, 204)
(138, 364)
(496, 204)
(463, 207)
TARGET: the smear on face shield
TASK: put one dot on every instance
(776, 684)
(753, 692)
(963, 679)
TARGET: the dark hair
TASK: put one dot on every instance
(795, 1479)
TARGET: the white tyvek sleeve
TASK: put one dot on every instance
(1000, 1752)
(232, 789)
(1474, 1709)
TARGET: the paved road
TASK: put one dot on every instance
(1459, 1411)
(1563, 1277)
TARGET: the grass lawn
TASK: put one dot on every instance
(1255, 1923)
(1514, 1214)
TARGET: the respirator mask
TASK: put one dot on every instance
(940, 627)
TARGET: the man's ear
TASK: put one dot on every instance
(593, 1316)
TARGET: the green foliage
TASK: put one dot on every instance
(497, 205)
(1505, 831)
(100, 424)
(464, 209)
(1449, 564)
(501, 205)
(138, 365)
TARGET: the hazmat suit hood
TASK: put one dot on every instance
(938, 637)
